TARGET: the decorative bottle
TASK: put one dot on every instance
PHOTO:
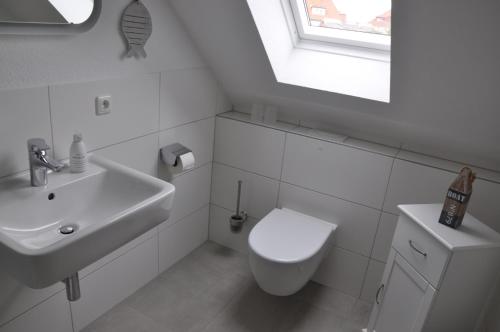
(457, 198)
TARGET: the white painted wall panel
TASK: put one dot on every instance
(357, 224)
(139, 153)
(220, 232)
(383, 239)
(24, 114)
(52, 315)
(412, 183)
(197, 136)
(252, 148)
(337, 170)
(343, 270)
(372, 280)
(179, 239)
(112, 283)
(192, 192)
(98, 53)
(258, 193)
(17, 298)
(186, 95)
(134, 111)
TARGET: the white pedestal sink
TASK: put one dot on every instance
(107, 206)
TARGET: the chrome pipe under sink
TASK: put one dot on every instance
(72, 287)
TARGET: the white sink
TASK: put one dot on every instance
(108, 205)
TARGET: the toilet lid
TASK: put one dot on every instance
(288, 236)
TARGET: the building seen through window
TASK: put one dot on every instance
(370, 16)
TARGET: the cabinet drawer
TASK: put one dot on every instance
(420, 249)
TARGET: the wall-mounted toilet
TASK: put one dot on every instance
(286, 248)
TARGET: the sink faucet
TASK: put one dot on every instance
(40, 162)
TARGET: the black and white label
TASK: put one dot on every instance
(457, 196)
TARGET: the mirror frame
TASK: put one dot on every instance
(50, 28)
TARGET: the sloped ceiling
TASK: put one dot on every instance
(445, 76)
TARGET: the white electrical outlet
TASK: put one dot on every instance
(103, 105)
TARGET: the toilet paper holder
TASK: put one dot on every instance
(170, 154)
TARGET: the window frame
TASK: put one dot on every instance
(379, 43)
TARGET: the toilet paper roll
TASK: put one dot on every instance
(183, 163)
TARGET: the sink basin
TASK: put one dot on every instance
(100, 210)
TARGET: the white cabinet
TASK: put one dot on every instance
(407, 298)
(437, 279)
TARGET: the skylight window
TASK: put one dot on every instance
(339, 46)
(361, 23)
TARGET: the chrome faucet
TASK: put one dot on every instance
(40, 162)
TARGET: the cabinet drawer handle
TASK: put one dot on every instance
(378, 293)
(416, 249)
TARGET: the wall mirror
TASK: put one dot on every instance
(48, 16)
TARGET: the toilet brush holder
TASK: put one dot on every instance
(237, 220)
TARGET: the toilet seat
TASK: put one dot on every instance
(287, 236)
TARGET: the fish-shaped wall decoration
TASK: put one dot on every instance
(136, 27)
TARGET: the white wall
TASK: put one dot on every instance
(97, 54)
(354, 184)
(47, 89)
(444, 74)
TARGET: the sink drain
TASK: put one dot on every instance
(68, 229)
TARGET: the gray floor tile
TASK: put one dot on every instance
(212, 290)
(327, 298)
(224, 260)
(124, 319)
(350, 326)
(360, 313)
(310, 318)
(189, 277)
(254, 310)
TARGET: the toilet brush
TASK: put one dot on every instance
(236, 220)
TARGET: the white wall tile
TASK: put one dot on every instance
(383, 239)
(134, 111)
(357, 223)
(372, 147)
(52, 315)
(115, 281)
(412, 183)
(348, 173)
(118, 252)
(342, 270)
(179, 239)
(197, 136)
(319, 134)
(16, 298)
(24, 115)
(139, 153)
(192, 192)
(246, 117)
(422, 159)
(452, 166)
(249, 147)
(258, 193)
(219, 229)
(484, 203)
(372, 280)
(186, 95)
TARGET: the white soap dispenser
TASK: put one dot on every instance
(78, 155)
